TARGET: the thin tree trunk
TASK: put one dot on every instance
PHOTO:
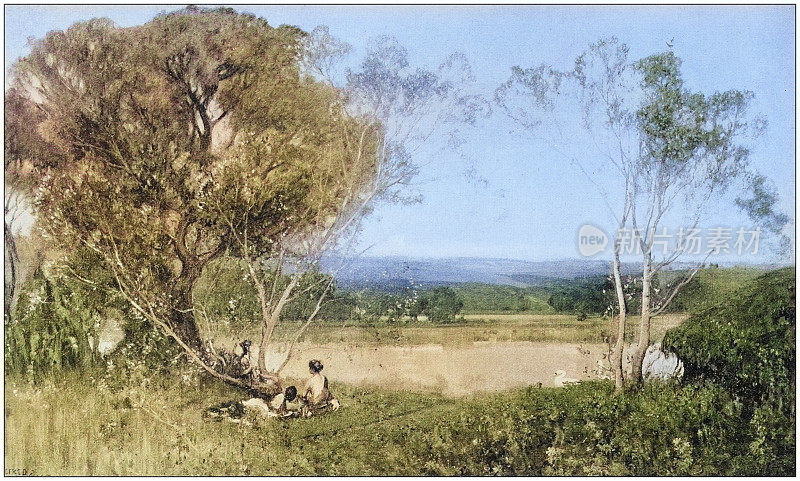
(302, 329)
(271, 318)
(10, 275)
(619, 347)
(265, 316)
(644, 326)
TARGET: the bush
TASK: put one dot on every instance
(592, 295)
(440, 304)
(664, 429)
(747, 346)
(55, 325)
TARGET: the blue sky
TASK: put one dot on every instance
(533, 202)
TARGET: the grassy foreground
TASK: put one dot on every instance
(734, 415)
(79, 427)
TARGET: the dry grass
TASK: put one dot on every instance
(556, 328)
(74, 427)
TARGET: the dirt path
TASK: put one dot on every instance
(451, 370)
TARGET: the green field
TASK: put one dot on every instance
(496, 299)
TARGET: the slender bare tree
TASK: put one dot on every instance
(651, 146)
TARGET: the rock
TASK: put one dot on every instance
(661, 365)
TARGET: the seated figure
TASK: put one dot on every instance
(317, 398)
(275, 407)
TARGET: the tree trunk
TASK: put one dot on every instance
(644, 327)
(185, 326)
(270, 320)
(619, 347)
(11, 274)
(182, 318)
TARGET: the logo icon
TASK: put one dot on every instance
(591, 240)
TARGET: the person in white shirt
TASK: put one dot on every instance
(278, 403)
(275, 407)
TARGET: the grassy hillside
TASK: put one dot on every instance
(496, 299)
(586, 294)
(711, 286)
(747, 342)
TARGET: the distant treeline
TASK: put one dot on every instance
(226, 296)
(595, 295)
(591, 296)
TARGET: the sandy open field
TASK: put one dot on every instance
(492, 353)
(450, 370)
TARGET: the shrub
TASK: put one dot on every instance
(747, 346)
(55, 326)
(441, 304)
(747, 343)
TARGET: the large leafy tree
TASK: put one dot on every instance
(158, 146)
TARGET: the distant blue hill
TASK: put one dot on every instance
(399, 272)
(392, 272)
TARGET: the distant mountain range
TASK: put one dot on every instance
(398, 272)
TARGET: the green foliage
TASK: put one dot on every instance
(594, 296)
(588, 430)
(55, 319)
(372, 305)
(747, 343)
(312, 286)
(582, 296)
(339, 306)
(664, 429)
(143, 350)
(759, 204)
(709, 287)
(440, 304)
(228, 298)
(158, 145)
(489, 298)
